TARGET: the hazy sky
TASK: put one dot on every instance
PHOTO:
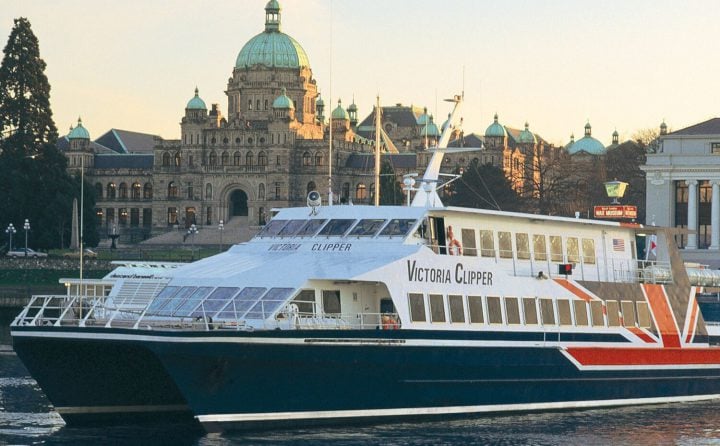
(624, 65)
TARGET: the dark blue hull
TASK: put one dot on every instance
(100, 381)
(325, 378)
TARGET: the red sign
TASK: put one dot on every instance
(617, 211)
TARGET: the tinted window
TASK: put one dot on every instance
(505, 245)
(336, 227)
(331, 301)
(581, 317)
(291, 228)
(475, 309)
(494, 310)
(457, 313)
(512, 310)
(310, 228)
(564, 312)
(437, 308)
(417, 307)
(547, 311)
(398, 226)
(523, 246)
(367, 227)
(530, 310)
(272, 228)
(468, 241)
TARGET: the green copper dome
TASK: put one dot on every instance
(196, 103)
(430, 129)
(526, 136)
(283, 101)
(496, 129)
(340, 112)
(272, 48)
(587, 144)
(424, 118)
(79, 132)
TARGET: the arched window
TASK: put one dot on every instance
(319, 159)
(172, 190)
(178, 159)
(258, 104)
(225, 140)
(237, 159)
(111, 190)
(360, 192)
(345, 191)
(136, 191)
(266, 104)
(148, 191)
(237, 140)
(213, 159)
(98, 191)
(225, 159)
(261, 191)
(122, 191)
(166, 159)
(262, 159)
(208, 191)
(249, 159)
(307, 160)
(311, 187)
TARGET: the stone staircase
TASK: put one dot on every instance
(236, 231)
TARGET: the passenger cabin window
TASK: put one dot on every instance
(367, 227)
(291, 228)
(185, 308)
(336, 227)
(437, 308)
(512, 310)
(494, 310)
(581, 316)
(311, 228)
(556, 251)
(588, 247)
(475, 308)
(305, 301)
(487, 244)
(628, 313)
(573, 251)
(547, 311)
(613, 313)
(417, 307)
(643, 315)
(273, 228)
(242, 303)
(564, 316)
(523, 246)
(217, 300)
(539, 247)
(331, 301)
(468, 242)
(530, 310)
(457, 313)
(596, 310)
(398, 226)
(505, 245)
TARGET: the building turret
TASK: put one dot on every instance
(283, 107)
(615, 138)
(587, 144)
(352, 113)
(663, 128)
(320, 107)
(79, 154)
(196, 108)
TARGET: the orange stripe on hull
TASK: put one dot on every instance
(642, 335)
(599, 356)
(663, 315)
(575, 290)
(693, 321)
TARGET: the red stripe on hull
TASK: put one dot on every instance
(598, 356)
(642, 335)
(573, 289)
(692, 325)
(663, 315)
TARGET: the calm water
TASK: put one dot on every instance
(27, 418)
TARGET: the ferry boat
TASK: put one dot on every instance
(345, 313)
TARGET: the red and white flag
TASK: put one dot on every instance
(651, 247)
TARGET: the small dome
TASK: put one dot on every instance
(615, 133)
(283, 101)
(340, 112)
(587, 144)
(430, 129)
(79, 132)
(272, 48)
(424, 118)
(496, 129)
(663, 125)
(352, 107)
(196, 103)
(526, 136)
(319, 102)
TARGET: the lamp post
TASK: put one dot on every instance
(10, 231)
(221, 228)
(191, 232)
(26, 227)
(615, 190)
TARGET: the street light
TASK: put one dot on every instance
(221, 228)
(10, 231)
(615, 190)
(26, 227)
(191, 232)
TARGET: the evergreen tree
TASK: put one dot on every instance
(484, 187)
(35, 184)
(391, 192)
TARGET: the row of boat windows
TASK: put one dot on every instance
(543, 247)
(495, 310)
(338, 227)
(221, 302)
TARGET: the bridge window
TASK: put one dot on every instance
(367, 227)
(398, 226)
(417, 307)
(311, 227)
(338, 226)
(291, 228)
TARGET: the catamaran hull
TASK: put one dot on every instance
(245, 381)
(98, 381)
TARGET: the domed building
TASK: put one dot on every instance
(587, 145)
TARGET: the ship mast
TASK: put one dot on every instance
(377, 151)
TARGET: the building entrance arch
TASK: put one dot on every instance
(238, 203)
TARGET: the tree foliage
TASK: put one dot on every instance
(35, 185)
(483, 187)
(390, 191)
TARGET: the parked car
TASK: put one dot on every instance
(20, 252)
(87, 254)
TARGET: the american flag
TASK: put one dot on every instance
(618, 244)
